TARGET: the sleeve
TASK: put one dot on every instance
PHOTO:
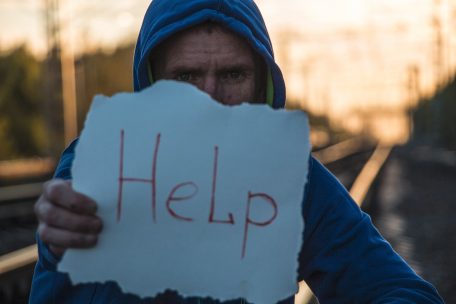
(48, 285)
(63, 171)
(344, 259)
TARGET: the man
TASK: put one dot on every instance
(223, 48)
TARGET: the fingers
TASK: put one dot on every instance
(66, 218)
(55, 216)
(59, 251)
(60, 192)
(62, 239)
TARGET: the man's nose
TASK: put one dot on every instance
(210, 85)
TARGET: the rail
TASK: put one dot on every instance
(25, 168)
(340, 150)
(16, 202)
(368, 174)
(18, 192)
(18, 259)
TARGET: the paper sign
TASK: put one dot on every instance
(195, 196)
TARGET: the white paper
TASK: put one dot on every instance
(208, 157)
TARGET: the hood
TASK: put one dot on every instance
(166, 17)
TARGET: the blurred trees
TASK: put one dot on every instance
(103, 73)
(435, 119)
(22, 128)
(30, 96)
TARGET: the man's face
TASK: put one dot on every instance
(215, 60)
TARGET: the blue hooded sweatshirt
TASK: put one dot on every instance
(343, 258)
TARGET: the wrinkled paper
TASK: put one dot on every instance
(195, 196)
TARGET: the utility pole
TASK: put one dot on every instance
(285, 42)
(438, 49)
(305, 74)
(413, 94)
(61, 79)
(52, 24)
(451, 46)
(52, 106)
(69, 84)
(413, 85)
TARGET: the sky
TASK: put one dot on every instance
(108, 22)
(341, 58)
(93, 23)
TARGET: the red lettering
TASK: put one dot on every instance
(230, 219)
(119, 193)
(153, 181)
(172, 198)
(248, 220)
(122, 179)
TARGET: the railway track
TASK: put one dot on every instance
(21, 182)
(355, 162)
(17, 234)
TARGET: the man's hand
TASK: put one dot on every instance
(66, 218)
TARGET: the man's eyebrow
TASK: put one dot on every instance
(242, 66)
(186, 68)
(238, 67)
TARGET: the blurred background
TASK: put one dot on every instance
(376, 77)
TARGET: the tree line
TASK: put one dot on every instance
(434, 119)
(31, 100)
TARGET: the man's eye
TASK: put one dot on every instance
(233, 75)
(186, 76)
